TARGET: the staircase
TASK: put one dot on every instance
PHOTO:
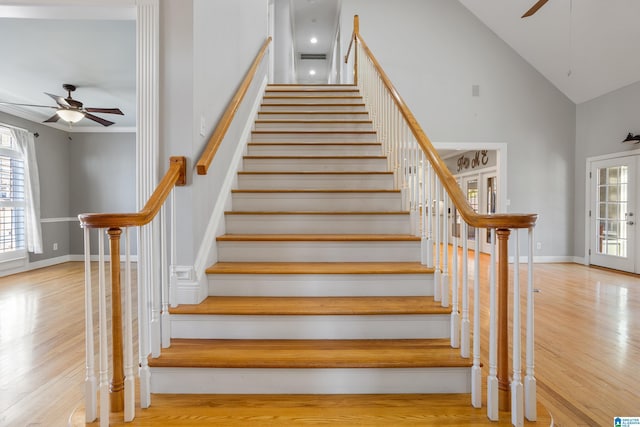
(318, 287)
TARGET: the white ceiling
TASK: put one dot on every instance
(92, 48)
(586, 48)
(319, 19)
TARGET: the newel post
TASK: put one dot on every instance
(504, 398)
(117, 383)
(356, 34)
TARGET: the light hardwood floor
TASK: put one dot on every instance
(587, 355)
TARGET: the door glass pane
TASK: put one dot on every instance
(473, 199)
(492, 196)
(611, 215)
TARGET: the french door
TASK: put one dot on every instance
(481, 191)
(612, 213)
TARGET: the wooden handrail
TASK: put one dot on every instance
(448, 181)
(175, 176)
(225, 121)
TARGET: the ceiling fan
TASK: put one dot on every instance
(534, 8)
(71, 110)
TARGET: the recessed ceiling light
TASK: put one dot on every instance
(312, 72)
(314, 40)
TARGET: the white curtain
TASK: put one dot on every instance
(25, 143)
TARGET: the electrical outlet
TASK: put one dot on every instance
(539, 245)
(201, 125)
(55, 246)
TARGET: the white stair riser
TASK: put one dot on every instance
(317, 202)
(317, 224)
(283, 115)
(318, 251)
(315, 181)
(317, 99)
(292, 149)
(310, 87)
(294, 327)
(326, 92)
(264, 136)
(310, 381)
(314, 164)
(265, 108)
(320, 285)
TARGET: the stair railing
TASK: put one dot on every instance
(118, 394)
(227, 117)
(420, 173)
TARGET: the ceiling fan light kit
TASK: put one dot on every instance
(71, 110)
(70, 116)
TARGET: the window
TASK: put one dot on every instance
(12, 199)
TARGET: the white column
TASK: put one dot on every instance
(517, 398)
(476, 370)
(147, 146)
(129, 376)
(492, 379)
(105, 401)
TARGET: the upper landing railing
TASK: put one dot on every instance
(429, 190)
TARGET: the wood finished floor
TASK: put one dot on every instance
(587, 358)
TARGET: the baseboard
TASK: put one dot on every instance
(49, 262)
(549, 259)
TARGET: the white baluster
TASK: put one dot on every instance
(437, 274)
(173, 280)
(492, 379)
(425, 190)
(155, 295)
(105, 405)
(143, 330)
(164, 281)
(517, 398)
(129, 376)
(455, 315)
(529, 379)
(465, 325)
(428, 208)
(90, 382)
(476, 370)
(445, 253)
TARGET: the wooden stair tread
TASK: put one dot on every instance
(318, 238)
(308, 306)
(316, 121)
(313, 173)
(313, 97)
(299, 354)
(319, 143)
(312, 157)
(313, 105)
(319, 268)
(237, 190)
(298, 111)
(322, 132)
(317, 213)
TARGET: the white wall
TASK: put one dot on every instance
(434, 51)
(283, 43)
(601, 125)
(207, 48)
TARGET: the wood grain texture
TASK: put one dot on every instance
(227, 117)
(296, 354)
(587, 353)
(313, 191)
(318, 238)
(264, 306)
(319, 268)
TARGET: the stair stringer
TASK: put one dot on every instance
(191, 282)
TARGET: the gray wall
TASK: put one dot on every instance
(434, 51)
(207, 48)
(102, 178)
(600, 126)
(283, 43)
(52, 152)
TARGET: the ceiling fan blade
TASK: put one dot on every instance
(59, 100)
(100, 120)
(534, 8)
(105, 110)
(27, 105)
(52, 119)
